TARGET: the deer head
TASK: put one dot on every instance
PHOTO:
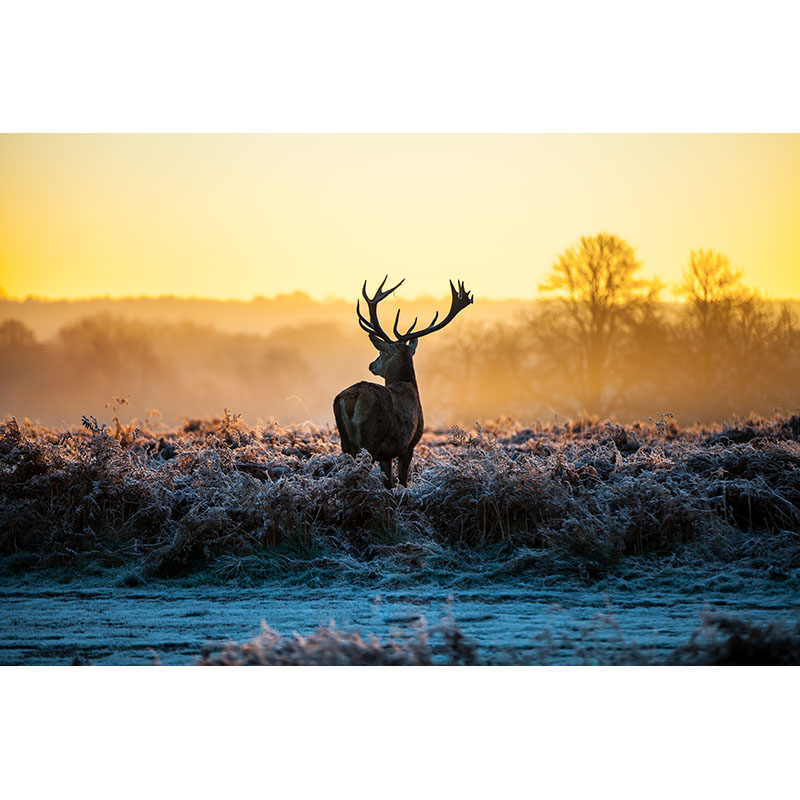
(393, 358)
(394, 361)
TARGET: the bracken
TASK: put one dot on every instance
(588, 492)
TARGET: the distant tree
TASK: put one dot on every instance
(712, 291)
(15, 334)
(585, 335)
(738, 345)
(761, 347)
(23, 364)
(708, 281)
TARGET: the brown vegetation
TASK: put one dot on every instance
(330, 647)
(503, 499)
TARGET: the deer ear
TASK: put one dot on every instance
(379, 344)
(412, 346)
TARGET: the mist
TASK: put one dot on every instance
(160, 361)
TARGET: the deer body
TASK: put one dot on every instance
(386, 421)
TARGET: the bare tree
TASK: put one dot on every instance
(737, 345)
(584, 334)
(712, 290)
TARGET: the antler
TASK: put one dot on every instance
(373, 325)
(459, 301)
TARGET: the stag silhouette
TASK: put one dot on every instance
(386, 421)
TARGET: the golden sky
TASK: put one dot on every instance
(234, 216)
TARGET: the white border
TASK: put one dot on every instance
(612, 732)
(429, 65)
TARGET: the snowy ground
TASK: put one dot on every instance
(551, 620)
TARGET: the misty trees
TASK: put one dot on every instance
(482, 373)
(733, 341)
(712, 291)
(24, 364)
(763, 351)
(602, 316)
(599, 342)
(604, 344)
(14, 334)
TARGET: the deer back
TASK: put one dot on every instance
(384, 420)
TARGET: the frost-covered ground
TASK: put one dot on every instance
(584, 543)
(638, 620)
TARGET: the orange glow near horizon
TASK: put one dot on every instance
(236, 216)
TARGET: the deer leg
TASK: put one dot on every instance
(403, 463)
(348, 445)
(386, 466)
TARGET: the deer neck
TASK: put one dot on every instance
(402, 373)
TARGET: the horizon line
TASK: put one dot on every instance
(302, 296)
(298, 294)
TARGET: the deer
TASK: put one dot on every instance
(386, 421)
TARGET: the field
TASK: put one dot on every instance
(587, 542)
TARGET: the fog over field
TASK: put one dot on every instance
(283, 358)
(286, 358)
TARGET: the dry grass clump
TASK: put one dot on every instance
(475, 492)
(729, 641)
(65, 495)
(720, 640)
(221, 493)
(329, 647)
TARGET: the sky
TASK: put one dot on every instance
(237, 216)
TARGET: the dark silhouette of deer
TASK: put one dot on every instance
(386, 421)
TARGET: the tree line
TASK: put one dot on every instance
(601, 341)
(605, 343)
